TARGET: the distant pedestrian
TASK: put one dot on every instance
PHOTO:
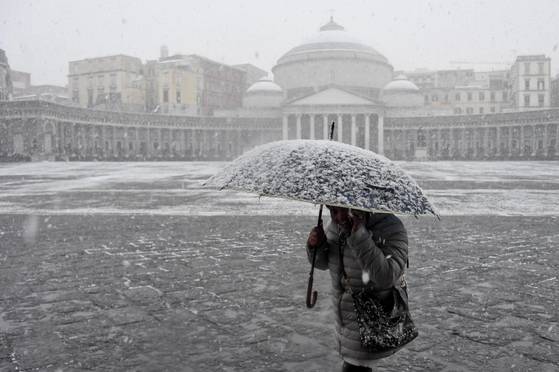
(373, 248)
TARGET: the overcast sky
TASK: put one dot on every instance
(40, 37)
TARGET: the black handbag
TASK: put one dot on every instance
(384, 324)
(383, 328)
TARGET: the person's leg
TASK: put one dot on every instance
(352, 368)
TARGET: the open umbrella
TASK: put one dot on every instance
(324, 172)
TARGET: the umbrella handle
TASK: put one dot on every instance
(311, 295)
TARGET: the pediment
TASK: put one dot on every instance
(332, 97)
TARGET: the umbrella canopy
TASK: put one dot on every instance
(324, 172)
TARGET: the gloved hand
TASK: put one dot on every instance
(316, 237)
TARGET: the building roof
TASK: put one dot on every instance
(331, 96)
(400, 84)
(264, 85)
(330, 38)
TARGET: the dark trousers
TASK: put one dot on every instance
(351, 368)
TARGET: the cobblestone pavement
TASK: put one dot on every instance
(154, 293)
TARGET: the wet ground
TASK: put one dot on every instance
(154, 293)
(136, 267)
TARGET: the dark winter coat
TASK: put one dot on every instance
(380, 251)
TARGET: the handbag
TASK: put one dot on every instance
(382, 328)
(384, 324)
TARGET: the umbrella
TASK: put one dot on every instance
(324, 172)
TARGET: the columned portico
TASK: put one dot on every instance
(351, 113)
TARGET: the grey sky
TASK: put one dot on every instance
(40, 37)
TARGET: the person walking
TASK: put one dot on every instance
(359, 249)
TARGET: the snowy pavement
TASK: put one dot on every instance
(174, 188)
(133, 266)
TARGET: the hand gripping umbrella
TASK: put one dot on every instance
(324, 172)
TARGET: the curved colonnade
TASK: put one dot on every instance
(44, 130)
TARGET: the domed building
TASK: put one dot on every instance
(401, 92)
(333, 77)
(332, 57)
(263, 94)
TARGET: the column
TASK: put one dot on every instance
(510, 140)
(183, 141)
(535, 133)
(367, 132)
(340, 128)
(193, 141)
(353, 130)
(380, 126)
(299, 126)
(546, 139)
(439, 149)
(522, 139)
(556, 139)
(485, 141)
(498, 135)
(325, 133)
(311, 117)
(284, 128)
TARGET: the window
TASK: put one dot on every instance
(100, 80)
(541, 84)
(76, 96)
(481, 110)
(90, 81)
(527, 68)
(540, 68)
(426, 99)
(469, 110)
(469, 96)
(434, 98)
(504, 96)
(482, 96)
(526, 100)
(165, 95)
(541, 100)
(457, 97)
(492, 109)
(178, 96)
(526, 84)
(457, 110)
(446, 98)
(492, 96)
(113, 80)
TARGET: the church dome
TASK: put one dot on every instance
(264, 85)
(400, 84)
(263, 94)
(331, 37)
(401, 92)
(332, 57)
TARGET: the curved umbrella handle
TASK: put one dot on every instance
(311, 295)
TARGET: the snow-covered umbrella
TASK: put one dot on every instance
(325, 172)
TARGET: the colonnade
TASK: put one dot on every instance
(488, 142)
(365, 130)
